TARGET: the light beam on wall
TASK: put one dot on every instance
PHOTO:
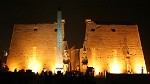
(34, 64)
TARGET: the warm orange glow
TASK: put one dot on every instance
(95, 63)
(84, 67)
(59, 68)
(34, 64)
(53, 70)
(65, 67)
(138, 69)
(96, 71)
(96, 67)
(13, 67)
(115, 67)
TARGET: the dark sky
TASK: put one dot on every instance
(75, 12)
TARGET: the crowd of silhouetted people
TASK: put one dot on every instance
(29, 77)
(72, 77)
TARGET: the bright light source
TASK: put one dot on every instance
(34, 64)
(138, 69)
(115, 67)
(96, 71)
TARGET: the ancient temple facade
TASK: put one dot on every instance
(38, 46)
(115, 48)
(33, 46)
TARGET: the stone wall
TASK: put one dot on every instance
(33, 46)
(115, 48)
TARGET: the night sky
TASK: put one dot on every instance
(75, 12)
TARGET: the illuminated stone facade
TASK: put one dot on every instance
(33, 46)
(74, 56)
(112, 47)
(107, 47)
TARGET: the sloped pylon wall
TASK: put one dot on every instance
(33, 46)
(114, 48)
